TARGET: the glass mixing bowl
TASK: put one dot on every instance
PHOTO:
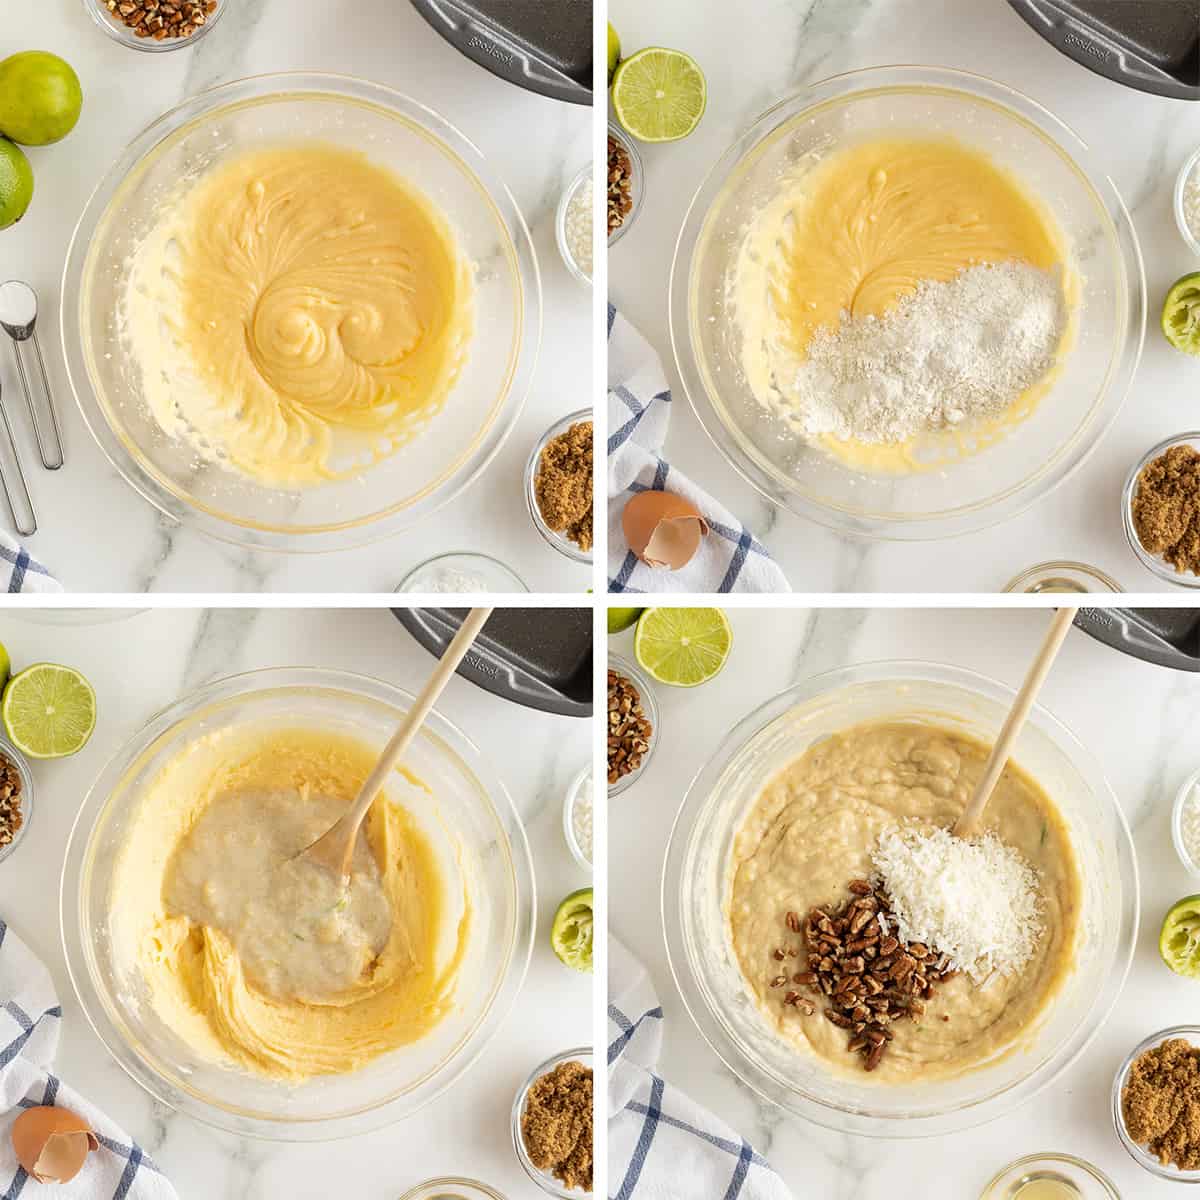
(480, 844)
(1034, 457)
(391, 130)
(695, 890)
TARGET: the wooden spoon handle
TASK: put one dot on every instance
(329, 847)
(968, 822)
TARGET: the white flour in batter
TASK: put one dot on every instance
(952, 352)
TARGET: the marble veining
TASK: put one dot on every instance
(781, 46)
(1142, 725)
(146, 662)
(97, 534)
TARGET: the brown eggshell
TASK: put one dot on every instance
(52, 1143)
(662, 529)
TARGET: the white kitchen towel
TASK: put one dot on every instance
(730, 558)
(661, 1144)
(21, 572)
(30, 1017)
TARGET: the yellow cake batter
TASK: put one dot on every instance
(853, 233)
(317, 309)
(191, 971)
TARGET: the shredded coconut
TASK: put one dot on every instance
(957, 350)
(1189, 825)
(579, 227)
(441, 579)
(976, 901)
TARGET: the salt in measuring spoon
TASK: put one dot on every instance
(18, 316)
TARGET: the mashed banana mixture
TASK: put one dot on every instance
(812, 830)
(358, 973)
(299, 314)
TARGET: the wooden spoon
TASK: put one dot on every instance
(968, 822)
(334, 848)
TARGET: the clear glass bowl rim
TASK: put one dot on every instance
(951, 522)
(562, 544)
(649, 705)
(1062, 564)
(345, 535)
(1190, 1033)
(366, 1119)
(954, 1119)
(1152, 563)
(1049, 1156)
(577, 781)
(547, 1183)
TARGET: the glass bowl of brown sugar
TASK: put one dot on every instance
(1148, 499)
(549, 487)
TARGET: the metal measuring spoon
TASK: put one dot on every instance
(18, 317)
(26, 524)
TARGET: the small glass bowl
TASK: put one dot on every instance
(560, 224)
(9, 751)
(547, 1182)
(1190, 1033)
(1062, 576)
(649, 707)
(1188, 167)
(1181, 799)
(464, 1189)
(120, 32)
(496, 576)
(636, 192)
(1088, 1181)
(569, 818)
(551, 537)
(1152, 563)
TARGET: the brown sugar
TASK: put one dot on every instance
(1161, 1103)
(1166, 508)
(557, 1124)
(563, 486)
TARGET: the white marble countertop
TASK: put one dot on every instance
(780, 46)
(1143, 725)
(96, 533)
(147, 661)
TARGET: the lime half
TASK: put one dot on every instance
(571, 933)
(1181, 314)
(1179, 938)
(622, 618)
(49, 711)
(614, 51)
(659, 95)
(683, 646)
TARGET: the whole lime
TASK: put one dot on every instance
(16, 183)
(40, 98)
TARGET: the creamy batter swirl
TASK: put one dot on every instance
(316, 311)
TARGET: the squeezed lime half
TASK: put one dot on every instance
(571, 933)
(1181, 314)
(1179, 937)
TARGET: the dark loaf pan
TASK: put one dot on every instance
(1151, 45)
(538, 657)
(1167, 637)
(544, 46)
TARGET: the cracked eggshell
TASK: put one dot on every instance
(52, 1143)
(662, 529)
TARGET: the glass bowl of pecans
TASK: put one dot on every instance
(633, 724)
(16, 798)
(777, 1059)
(156, 26)
(626, 183)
